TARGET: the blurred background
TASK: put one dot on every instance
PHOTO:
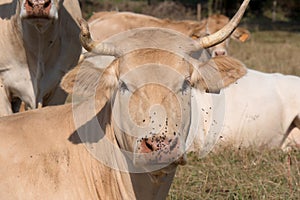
(274, 25)
(274, 46)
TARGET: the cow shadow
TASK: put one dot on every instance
(93, 130)
(8, 10)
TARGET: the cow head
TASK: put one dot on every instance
(215, 23)
(39, 12)
(148, 87)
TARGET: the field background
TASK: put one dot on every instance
(236, 173)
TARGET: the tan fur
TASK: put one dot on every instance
(217, 73)
(86, 78)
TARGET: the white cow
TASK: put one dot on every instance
(260, 110)
(38, 44)
(126, 140)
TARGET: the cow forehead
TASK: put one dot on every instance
(154, 57)
(153, 37)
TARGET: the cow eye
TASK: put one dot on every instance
(123, 87)
(186, 85)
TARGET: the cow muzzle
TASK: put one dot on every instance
(38, 8)
(159, 150)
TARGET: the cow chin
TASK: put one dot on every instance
(41, 24)
(157, 176)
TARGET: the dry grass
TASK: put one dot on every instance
(239, 174)
(270, 51)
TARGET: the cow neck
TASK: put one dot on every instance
(105, 182)
(39, 48)
(123, 185)
(37, 44)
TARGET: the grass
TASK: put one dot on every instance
(270, 51)
(239, 174)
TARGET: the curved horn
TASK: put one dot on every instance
(92, 46)
(225, 32)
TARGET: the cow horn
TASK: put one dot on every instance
(222, 34)
(92, 46)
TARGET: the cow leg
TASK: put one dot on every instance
(17, 106)
(292, 136)
(297, 121)
(58, 97)
(5, 105)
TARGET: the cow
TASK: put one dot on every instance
(38, 43)
(124, 141)
(216, 22)
(110, 23)
(261, 110)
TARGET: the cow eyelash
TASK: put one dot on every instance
(123, 87)
(186, 85)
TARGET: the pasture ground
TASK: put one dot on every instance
(239, 174)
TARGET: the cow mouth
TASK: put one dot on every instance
(156, 159)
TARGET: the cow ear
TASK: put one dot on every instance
(85, 79)
(241, 34)
(217, 73)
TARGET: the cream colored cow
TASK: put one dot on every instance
(126, 140)
(38, 44)
(260, 110)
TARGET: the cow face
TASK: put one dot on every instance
(148, 88)
(217, 22)
(149, 100)
(151, 108)
(39, 12)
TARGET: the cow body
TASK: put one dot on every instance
(60, 168)
(37, 50)
(261, 110)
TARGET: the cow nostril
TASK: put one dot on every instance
(46, 4)
(149, 146)
(220, 53)
(30, 4)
